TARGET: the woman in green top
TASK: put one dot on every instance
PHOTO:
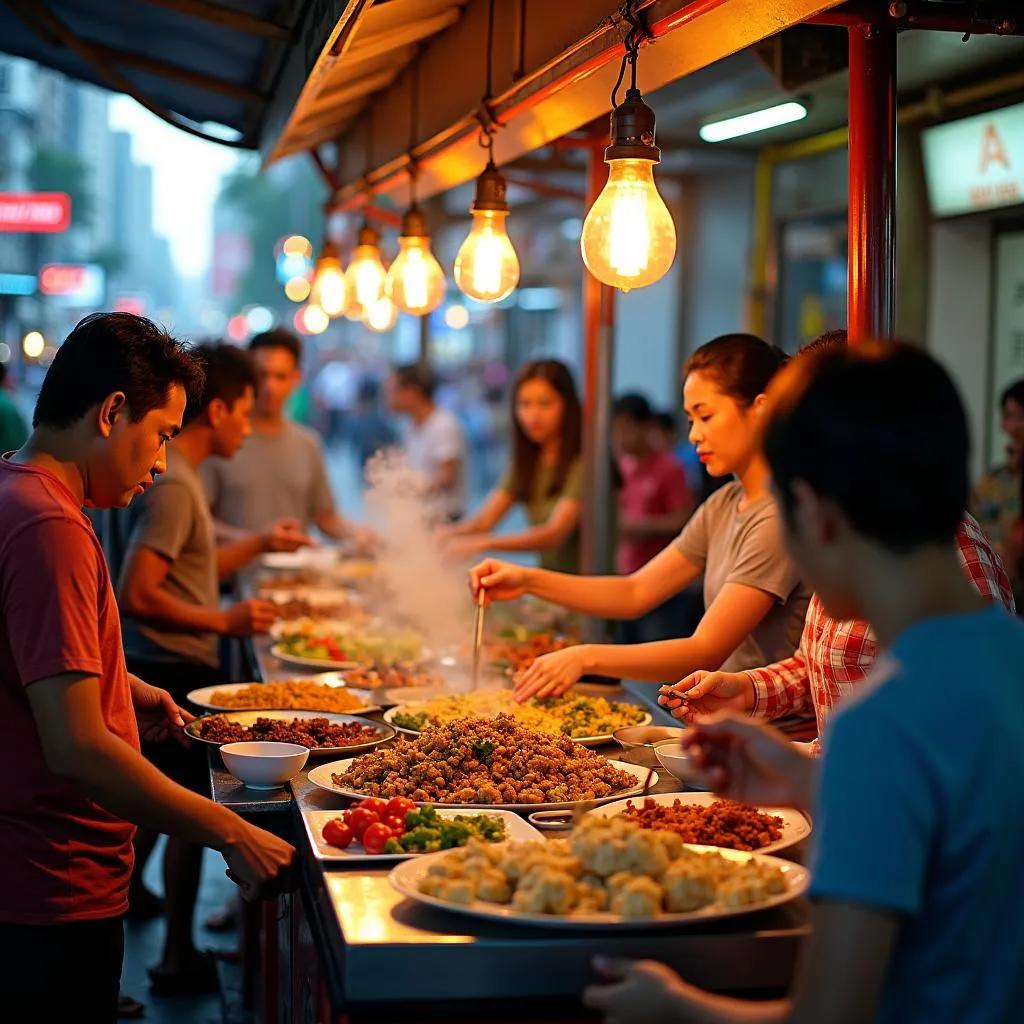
(545, 476)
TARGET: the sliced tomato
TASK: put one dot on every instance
(337, 833)
(376, 837)
(361, 820)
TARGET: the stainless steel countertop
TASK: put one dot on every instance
(379, 949)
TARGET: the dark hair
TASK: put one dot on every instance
(830, 341)
(279, 338)
(228, 370)
(368, 391)
(3, 373)
(526, 454)
(633, 407)
(896, 465)
(741, 365)
(108, 352)
(417, 376)
(666, 421)
(1015, 392)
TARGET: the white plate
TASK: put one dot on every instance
(248, 717)
(795, 826)
(321, 777)
(516, 828)
(321, 558)
(405, 878)
(295, 659)
(410, 694)
(203, 697)
(586, 741)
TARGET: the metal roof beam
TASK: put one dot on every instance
(566, 85)
(228, 17)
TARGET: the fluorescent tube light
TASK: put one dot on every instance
(756, 121)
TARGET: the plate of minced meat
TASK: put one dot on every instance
(484, 762)
(323, 733)
(707, 820)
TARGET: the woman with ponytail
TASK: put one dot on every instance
(755, 602)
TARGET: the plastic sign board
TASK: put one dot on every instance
(73, 284)
(976, 163)
(17, 284)
(35, 211)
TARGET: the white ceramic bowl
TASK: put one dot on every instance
(679, 763)
(264, 765)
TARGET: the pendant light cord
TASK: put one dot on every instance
(638, 33)
(485, 115)
(414, 127)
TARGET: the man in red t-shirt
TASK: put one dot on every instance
(71, 775)
(654, 503)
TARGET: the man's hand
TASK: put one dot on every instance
(707, 693)
(644, 992)
(500, 581)
(286, 535)
(248, 618)
(255, 859)
(158, 715)
(552, 674)
(364, 540)
(745, 760)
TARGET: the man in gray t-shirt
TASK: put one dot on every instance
(169, 599)
(280, 473)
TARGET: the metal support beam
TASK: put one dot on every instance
(326, 173)
(228, 17)
(598, 365)
(871, 307)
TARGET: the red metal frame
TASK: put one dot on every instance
(871, 308)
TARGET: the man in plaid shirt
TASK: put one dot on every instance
(833, 657)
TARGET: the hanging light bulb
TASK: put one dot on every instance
(328, 291)
(487, 267)
(629, 239)
(365, 276)
(415, 281)
(381, 315)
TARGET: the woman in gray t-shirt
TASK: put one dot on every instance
(755, 602)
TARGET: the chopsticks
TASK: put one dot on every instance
(478, 636)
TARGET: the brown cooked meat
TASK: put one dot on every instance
(725, 823)
(309, 732)
(485, 761)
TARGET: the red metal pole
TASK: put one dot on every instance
(871, 307)
(598, 363)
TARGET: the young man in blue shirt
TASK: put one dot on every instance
(919, 835)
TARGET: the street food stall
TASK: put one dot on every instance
(362, 937)
(401, 101)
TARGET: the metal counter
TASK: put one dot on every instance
(380, 953)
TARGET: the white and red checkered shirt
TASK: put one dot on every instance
(833, 657)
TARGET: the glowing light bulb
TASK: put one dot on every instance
(629, 239)
(297, 289)
(328, 291)
(415, 281)
(314, 319)
(487, 267)
(381, 315)
(364, 279)
(33, 344)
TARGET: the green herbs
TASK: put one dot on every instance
(483, 749)
(427, 831)
(414, 720)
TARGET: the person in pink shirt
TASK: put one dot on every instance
(655, 502)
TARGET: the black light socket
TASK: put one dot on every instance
(368, 235)
(414, 224)
(632, 131)
(490, 191)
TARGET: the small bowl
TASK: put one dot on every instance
(640, 741)
(679, 763)
(264, 765)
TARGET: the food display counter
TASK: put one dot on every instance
(345, 945)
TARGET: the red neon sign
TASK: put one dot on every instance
(35, 211)
(61, 278)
